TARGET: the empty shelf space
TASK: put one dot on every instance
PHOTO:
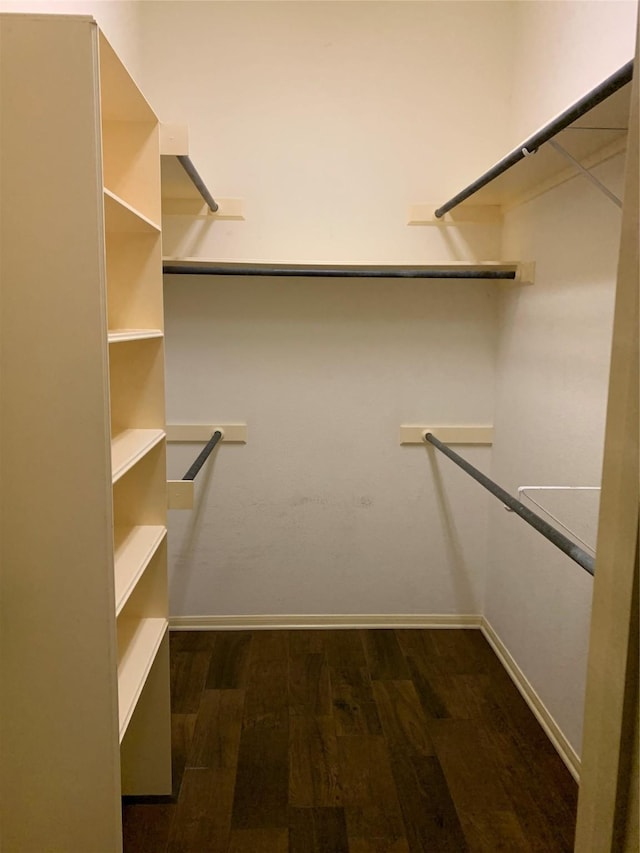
(130, 164)
(129, 446)
(121, 335)
(121, 217)
(138, 644)
(134, 548)
(134, 294)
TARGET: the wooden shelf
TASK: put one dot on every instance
(547, 168)
(134, 548)
(129, 446)
(595, 136)
(120, 335)
(121, 217)
(511, 271)
(138, 644)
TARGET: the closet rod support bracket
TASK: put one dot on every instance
(585, 172)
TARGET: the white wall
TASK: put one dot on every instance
(330, 119)
(323, 511)
(118, 19)
(551, 397)
(562, 49)
(553, 359)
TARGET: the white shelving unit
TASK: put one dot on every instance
(83, 605)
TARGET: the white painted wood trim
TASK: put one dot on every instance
(525, 275)
(424, 214)
(553, 731)
(179, 494)
(376, 620)
(203, 432)
(228, 208)
(414, 434)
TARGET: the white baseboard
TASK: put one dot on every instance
(387, 620)
(553, 731)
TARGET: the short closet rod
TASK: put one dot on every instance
(202, 458)
(190, 169)
(558, 539)
(607, 88)
(173, 268)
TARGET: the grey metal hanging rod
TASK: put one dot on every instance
(334, 271)
(204, 455)
(601, 92)
(558, 539)
(190, 169)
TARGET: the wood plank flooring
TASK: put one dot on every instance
(369, 741)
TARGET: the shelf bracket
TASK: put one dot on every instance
(587, 174)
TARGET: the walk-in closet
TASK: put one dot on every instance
(319, 426)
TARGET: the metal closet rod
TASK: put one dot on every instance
(601, 92)
(558, 539)
(190, 169)
(204, 455)
(319, 271)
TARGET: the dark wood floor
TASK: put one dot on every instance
(362, 741)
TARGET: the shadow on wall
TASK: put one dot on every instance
(208, 237)
(463, 590)
(186, 564)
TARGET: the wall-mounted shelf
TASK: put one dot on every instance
(591, 131)
(514, 272)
